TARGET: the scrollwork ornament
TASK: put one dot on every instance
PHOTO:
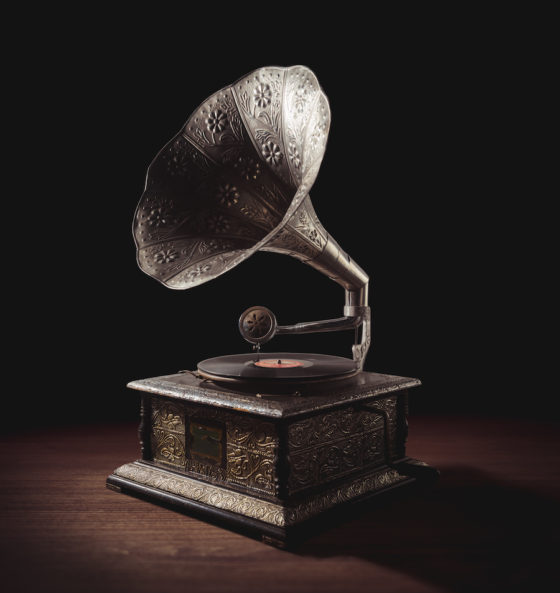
(263, 510)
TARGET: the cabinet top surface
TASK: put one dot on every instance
(288, 403)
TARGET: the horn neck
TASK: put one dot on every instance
(305, 238)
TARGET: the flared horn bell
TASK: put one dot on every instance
(236, 179)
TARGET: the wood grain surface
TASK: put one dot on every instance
(490, 524)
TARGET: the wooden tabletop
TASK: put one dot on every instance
(490, 524)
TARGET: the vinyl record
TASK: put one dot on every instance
(275, 367)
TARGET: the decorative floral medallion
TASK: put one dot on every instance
(217, 223)
(217, 121)
(262, 94)
(165, 256)
(228, 195)
(293, 154)
(161, 214)
(272, 153)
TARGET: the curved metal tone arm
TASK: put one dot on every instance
(325, 325)
(258, 324)
(359, 319)
(334, 262)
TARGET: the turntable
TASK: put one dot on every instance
(266, 442)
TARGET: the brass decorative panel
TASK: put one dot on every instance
(217, 445)
(168, 433)
(251, 450)
(251, 453)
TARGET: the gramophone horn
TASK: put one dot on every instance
(235, 180)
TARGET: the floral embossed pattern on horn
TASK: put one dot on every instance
(226, 185)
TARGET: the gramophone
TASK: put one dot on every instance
(269, 443)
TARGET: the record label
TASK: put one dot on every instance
(279, 363)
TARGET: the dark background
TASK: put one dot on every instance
(418, 185)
